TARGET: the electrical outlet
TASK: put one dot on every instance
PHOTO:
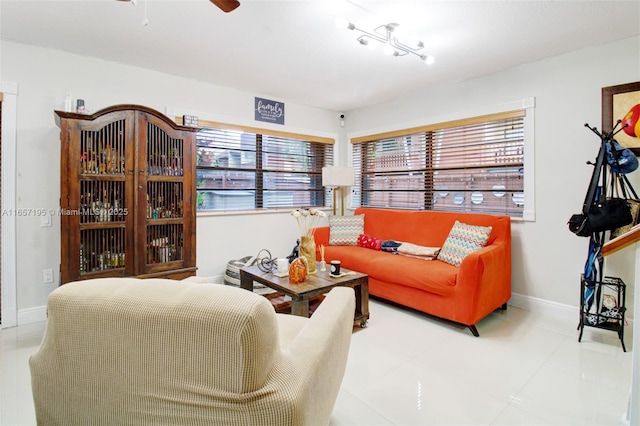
(47, 276)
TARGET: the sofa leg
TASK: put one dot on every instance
(504, 307)
(474, 330)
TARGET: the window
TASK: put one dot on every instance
(241, 168)
(471, 165)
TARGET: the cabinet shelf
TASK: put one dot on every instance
(117, 272)
(166, 221)
(164, 178)
(105, 177)
(113, 224)
(128, 183)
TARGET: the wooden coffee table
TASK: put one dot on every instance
(318, 283)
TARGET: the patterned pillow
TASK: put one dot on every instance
(463, 239)
(344, 230)
(367, 241)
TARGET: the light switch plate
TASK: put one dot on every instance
(45, 220)
(47, 276)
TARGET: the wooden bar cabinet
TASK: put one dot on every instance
(127, 195)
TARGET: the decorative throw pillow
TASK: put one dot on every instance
(463, 239)
(367, 241)
(344, 230)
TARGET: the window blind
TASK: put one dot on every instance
(243, 170)
(474, 165)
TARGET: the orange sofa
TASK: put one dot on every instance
(464, 294)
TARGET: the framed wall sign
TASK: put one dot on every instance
(269, 111)
(622, 102)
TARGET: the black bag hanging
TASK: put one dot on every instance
(598, 213)
(602, 216)
(621, 187)
(579, 223)
(609, 214)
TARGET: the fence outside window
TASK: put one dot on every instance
(470, 165)
(243, 168)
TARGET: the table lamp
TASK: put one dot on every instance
(337, 177)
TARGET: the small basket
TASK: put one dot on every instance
(232, 274)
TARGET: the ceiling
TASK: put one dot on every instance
(292, 50)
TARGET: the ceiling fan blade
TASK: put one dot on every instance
(226, 5)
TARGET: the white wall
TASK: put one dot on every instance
(44, 76)
(547, 257)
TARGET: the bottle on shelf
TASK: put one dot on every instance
(68, 103)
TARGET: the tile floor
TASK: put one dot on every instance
(409, 369)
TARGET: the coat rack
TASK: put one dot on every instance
(593, 283)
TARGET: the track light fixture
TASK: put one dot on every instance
(388, 36)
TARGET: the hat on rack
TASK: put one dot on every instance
(626, 162)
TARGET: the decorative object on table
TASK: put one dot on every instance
(308, 252)
(337, 178)
(307, 221)
(335, 267)
(283, 266)
(323, 263)
(294, 252)
(298, 271)
(265, 262)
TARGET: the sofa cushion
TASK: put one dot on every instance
(432, 276)
(344, 230)
(463, 239)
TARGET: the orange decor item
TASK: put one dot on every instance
(298, 271)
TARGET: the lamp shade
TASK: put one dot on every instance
(338, 176)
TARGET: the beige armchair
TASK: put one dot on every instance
(124, 351)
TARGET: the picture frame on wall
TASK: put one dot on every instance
(622, 102)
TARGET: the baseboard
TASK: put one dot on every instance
(547, 307)
(529, 303)
(10, 318)
(31, 315)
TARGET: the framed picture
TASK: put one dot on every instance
(622, 102)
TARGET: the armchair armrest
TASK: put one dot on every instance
(317, 356)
